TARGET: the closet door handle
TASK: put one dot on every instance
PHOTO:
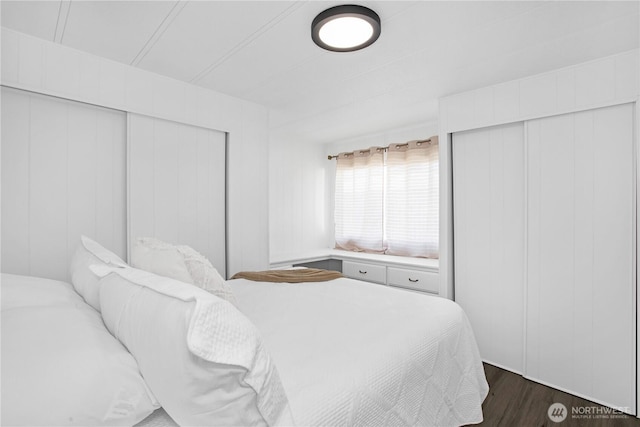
(413, 281)
(362, 272)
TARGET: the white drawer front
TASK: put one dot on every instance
(363, 271)
(414, 279)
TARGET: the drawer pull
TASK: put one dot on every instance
(413, 281)
(362, 272)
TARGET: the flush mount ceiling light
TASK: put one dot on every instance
(346, 28)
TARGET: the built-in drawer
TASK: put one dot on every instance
(364, 271)
(413, 279)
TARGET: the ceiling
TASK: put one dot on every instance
(262, 51)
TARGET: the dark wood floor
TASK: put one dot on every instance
(514, 401)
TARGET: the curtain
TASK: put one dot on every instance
(411, 199)
(359, 201)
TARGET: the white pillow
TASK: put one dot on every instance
(202, 358)
(180, 262)
(27, 291)
(85, 282)
(60, 365)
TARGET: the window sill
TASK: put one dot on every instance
(389, 260)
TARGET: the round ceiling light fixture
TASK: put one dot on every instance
(345, 28)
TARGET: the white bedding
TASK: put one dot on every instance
(351, 353)
(60, 365)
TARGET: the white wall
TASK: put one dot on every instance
(301, 182)
(297, 199)
(41, 66)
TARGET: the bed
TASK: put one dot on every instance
(353, 353)
(335, 353)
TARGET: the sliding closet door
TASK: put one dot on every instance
(580, 275)
(177, 185)
(488, 183)
(63, 175)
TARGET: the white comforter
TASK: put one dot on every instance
(351, 353)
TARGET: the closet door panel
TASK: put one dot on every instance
(489, 238)
(177, 185)
(583, 259)
(82, 145)
(614, 313)
(111, 180)
(63, 165)
(48, 188)
(141, 172)
(15, 182)
(166, 176)
(580, 315)
(188, 183)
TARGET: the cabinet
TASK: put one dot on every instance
(544, 247)
(409, 273)
(413, 279)
(365, 271)
(408, 278)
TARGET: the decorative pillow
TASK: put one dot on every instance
(61, 366)
(201, 357)
(179, 262)
(85, 282)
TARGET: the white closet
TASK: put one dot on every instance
(580, 273)
(63, 175)
(489, 237)
(177, 185)
(544, 215)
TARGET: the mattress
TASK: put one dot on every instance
(354, 353)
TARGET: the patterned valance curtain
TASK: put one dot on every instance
(386, 200)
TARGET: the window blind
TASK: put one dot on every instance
(411, 199)
(359, 203)
(386, 200)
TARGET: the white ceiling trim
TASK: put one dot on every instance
(61, 24)
(166, 22)
(245, 42)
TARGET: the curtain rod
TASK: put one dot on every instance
(382, 148)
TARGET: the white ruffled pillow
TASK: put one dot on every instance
(203, 359)
(85, 282)
(179, 262)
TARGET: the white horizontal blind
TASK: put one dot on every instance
(359, 200)
(411, 199)
(386, 201)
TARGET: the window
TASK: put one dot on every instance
(386, 200)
